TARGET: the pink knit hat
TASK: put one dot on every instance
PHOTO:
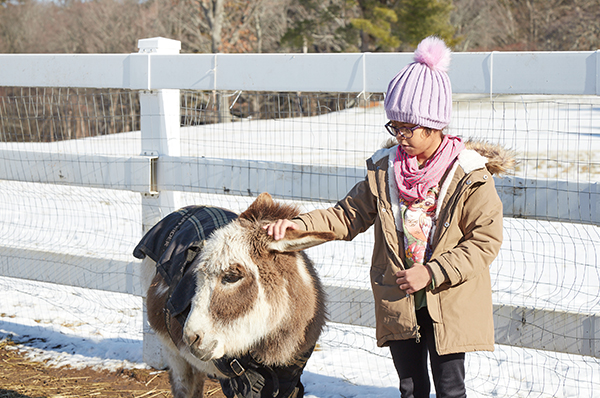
(421, 92)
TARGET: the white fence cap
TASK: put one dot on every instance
(159, 45)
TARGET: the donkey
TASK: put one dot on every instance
(240, 306)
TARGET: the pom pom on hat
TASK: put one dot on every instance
(433, 52)
(421, 93)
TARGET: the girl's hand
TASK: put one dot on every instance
(414, 279)
(278, 228)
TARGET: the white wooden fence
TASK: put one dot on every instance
(158, 71)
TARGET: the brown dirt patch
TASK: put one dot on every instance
(22, 378)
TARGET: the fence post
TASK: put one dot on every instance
(597, 72)
(160, 130)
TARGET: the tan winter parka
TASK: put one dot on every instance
(467, 238)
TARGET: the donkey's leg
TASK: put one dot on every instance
(183, 378)
(198, 383)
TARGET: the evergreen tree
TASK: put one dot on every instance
(320, 26)
(366, 25)
(376, 26)
(418, 19)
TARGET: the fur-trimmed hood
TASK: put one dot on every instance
(499, 159)
(496, 158)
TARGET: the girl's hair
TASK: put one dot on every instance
(429, 130)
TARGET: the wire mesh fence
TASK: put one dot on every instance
(31, 114)
(543, 264)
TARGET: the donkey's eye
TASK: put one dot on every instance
(231, 277)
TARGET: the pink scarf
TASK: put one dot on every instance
(413, 182)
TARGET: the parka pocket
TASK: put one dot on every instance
(389, 298)
(396, 315)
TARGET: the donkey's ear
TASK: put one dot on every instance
(259, 207)
(295, 240)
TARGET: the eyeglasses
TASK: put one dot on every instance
(405, 132)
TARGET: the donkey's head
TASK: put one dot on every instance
(255, 294)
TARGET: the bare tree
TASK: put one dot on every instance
(213, 12)
(551, 25)
(22, 27)
(483, 24)
(114, 26)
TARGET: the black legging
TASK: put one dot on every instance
(410, 360)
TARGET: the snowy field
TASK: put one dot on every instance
(542, 264)
(79, 327)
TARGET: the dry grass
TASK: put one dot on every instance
(22, 378)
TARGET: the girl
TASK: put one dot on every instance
(438, 225)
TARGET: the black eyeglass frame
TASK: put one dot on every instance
(405, 132)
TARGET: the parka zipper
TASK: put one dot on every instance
(414, 312)
(417, 327)
(449, 209)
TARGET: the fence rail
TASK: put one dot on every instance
(159, 66)
(522, 198)
(160, 170)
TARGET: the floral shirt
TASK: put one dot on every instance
(418, 219)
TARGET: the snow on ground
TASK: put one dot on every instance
(542, 264)
(79, 327)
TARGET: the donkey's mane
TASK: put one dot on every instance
(265, 209)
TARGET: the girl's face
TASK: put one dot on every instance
(422, 144)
